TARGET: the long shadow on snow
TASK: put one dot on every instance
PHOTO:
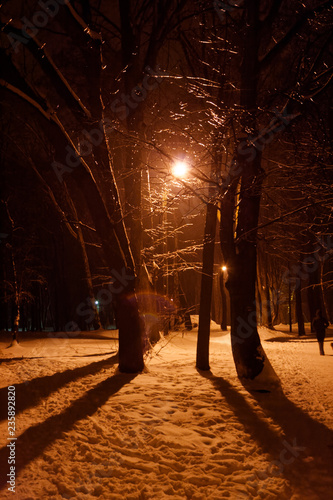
(20, 358)
(34, 440)
(298, 429)
(30, 393)
(299, 340)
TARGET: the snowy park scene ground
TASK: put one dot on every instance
(85, 431)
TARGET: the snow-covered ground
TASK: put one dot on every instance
(85, 431)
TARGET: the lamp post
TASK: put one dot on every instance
(224, 299)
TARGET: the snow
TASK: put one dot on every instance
(86, 431)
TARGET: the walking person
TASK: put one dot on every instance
(319, 325)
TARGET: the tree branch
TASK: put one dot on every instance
(58, 80)
(80, 21)
(282, 217)
(282, 43)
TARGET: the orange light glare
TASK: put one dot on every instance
(180, 169)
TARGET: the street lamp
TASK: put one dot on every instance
(180, 169)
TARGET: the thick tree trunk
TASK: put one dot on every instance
(206, 288)
(240, 207)
(133, 108)
(247, 352)
(130, 325)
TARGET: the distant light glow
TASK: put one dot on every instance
(96, 302)
(224, 268)
(180, 169)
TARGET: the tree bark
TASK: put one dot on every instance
(239, 250)
(246, 347)
(202, 361)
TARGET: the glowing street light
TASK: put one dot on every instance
(180, 169)
(224, 268)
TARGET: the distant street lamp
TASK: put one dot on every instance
(224, 299)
